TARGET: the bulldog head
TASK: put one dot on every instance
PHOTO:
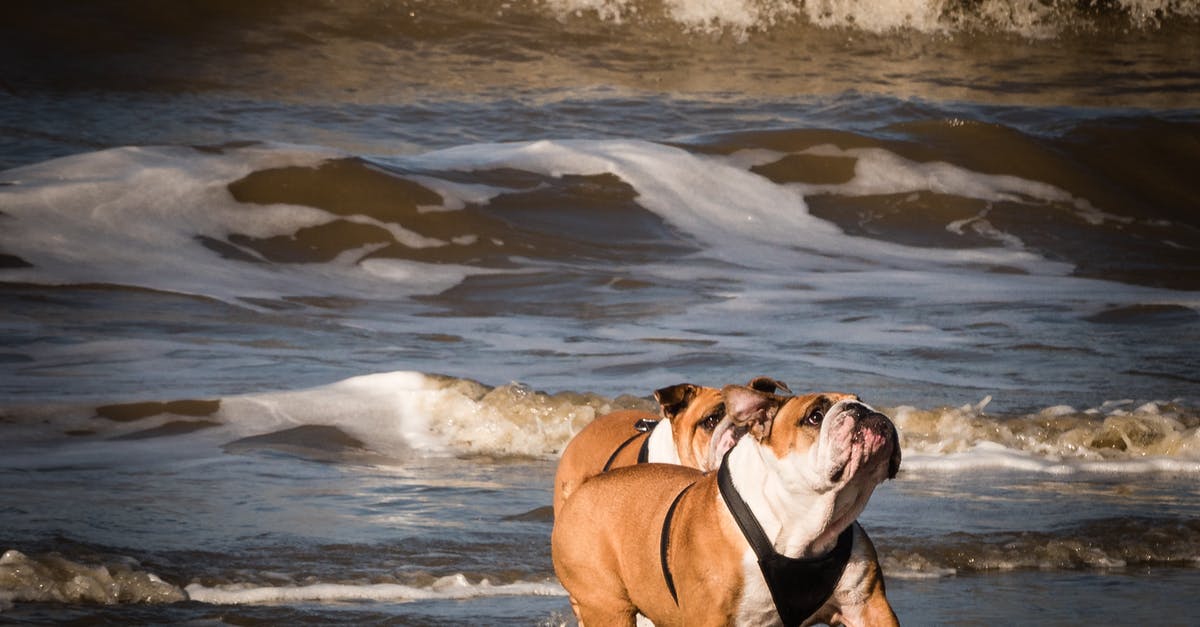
(823, 441)
(700, 414)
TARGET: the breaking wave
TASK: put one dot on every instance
(54, 578)
(1037, 19)
(385, 417)
(1117, 436)
(1106, 544)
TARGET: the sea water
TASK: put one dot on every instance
(302, 301)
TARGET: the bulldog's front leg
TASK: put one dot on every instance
(860, 599)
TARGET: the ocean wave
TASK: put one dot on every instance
(1118, 436)
(1104, 544)
(252, 225)
(171, 219)
(400, 413)
(741, 17)
(54, 578)
(406, 54)
(386, 417)
(396, 413)
(378, 418)
(1113, 544)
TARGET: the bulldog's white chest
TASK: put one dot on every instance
(661, 447)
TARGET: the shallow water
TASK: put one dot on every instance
(301, 302)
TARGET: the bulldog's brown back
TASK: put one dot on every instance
(593, 447)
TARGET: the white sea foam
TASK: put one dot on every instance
(740, 215)
(744, 17)
(989, 455)
(452, 587)
(134, 216)
(915, 567)
(880, 171)
(455, 196)
(702, 196)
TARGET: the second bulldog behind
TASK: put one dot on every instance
(691, 415)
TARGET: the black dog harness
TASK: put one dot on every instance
(643, 427)
(799, 586)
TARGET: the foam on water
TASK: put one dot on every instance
(450, 587)
(136, 216)
(879, 171)
(995, 456)
(54, 578)
(733, 211)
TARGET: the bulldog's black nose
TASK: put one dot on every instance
(866, 416)
(876, 422)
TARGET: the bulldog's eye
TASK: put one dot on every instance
(814, 417)
(710, 421)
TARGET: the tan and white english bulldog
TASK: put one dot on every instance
(681, 435)
(769, 538)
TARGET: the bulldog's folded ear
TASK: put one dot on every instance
(769, 385)
(675, 398)
(752, 407)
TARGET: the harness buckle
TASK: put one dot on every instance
(645, 425)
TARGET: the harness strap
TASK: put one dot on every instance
(608, 464)
(664, 544)
(799, 586)
(751, 529)
(644, 452)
